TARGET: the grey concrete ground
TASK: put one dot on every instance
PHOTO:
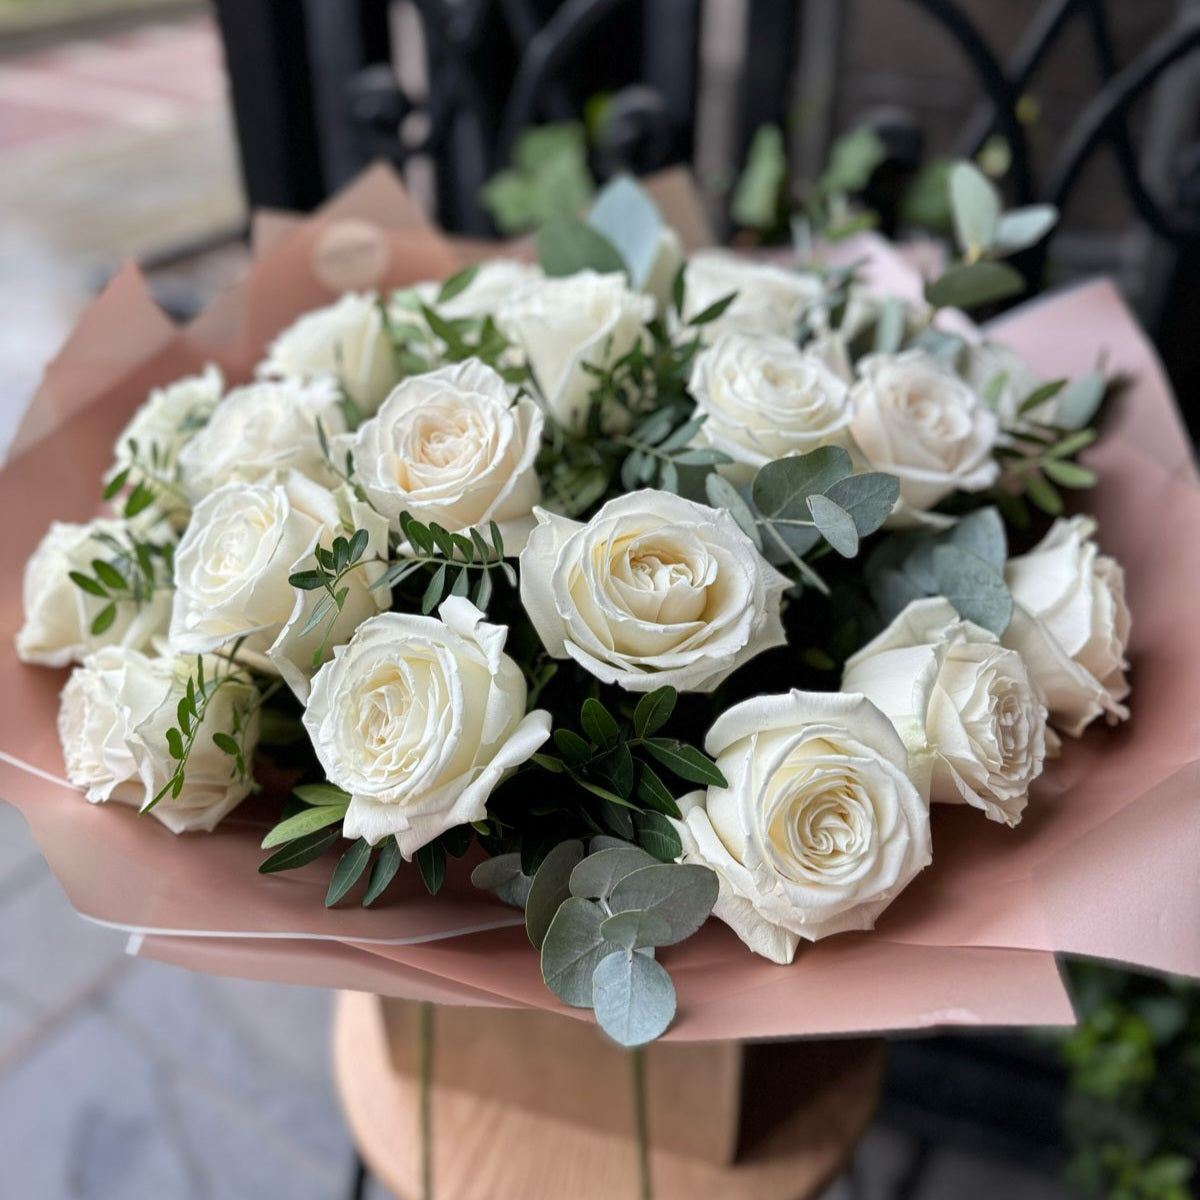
(122, 1079)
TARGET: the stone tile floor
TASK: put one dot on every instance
(122, 1079)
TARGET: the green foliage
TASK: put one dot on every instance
(1132, 1111)
(449, 564)
(549, 177)
(333, 565)
(133, 572)
(761, 189)
(965, 564)
(567, 245)
(1039, 458)
(630, 221)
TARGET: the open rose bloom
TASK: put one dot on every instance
(1102, 862)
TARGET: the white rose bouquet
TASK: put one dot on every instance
(659, 586)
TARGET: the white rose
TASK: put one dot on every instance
(452, 447)
(260, 432)
(820, 828)
(763, 398)
(232, 568)
(159, 429)
(916, 419)
(1005, 381)
(965, 707)
(770, 299)
(113, 721)
(347, 340)
(496, 282)
(419, 719)
(562, 326)
(1071, 624)
(654, 591)
(58, 615)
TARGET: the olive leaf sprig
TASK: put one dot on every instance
(133, 572)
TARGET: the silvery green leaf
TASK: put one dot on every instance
(566, 246)
(892, 592)
(972, 284)
(975, 588)
(1023, 227)
(1078, 401)
(572, 949)
(869, 498)
(550, 888)
(975, 205)
(495, 872)
(634, 998)
(781, 487)
(635, 930)
(889, 329)
(596, 876)
(681, 436)
(722, 494)
(755, 201)
(701, 456)
(602, 841)
(797, 540)
(681, 894)
(630, 220)
(982, 532)
(835, 524)
(918, 567)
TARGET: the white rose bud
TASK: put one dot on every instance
(452, 447)
(562, 326)
(654, 591)
(1071, 624)
(58, 614)
(113, 721)
(770, 299)
(260, 432)
(968, 712)
(820, 828)
(763, 398)
(232, 568)
(419, 719)
(159, 430)
(916, 419)
(347, 340)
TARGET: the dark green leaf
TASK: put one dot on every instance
(301, 851)
(654, 710)
(116, 483)
(346, 874)
(88, 584)
(972, 284)
(457, 283)
(109, 575)
(686, 761)
(653, 793)
(139, 500)
(225, 743)
(383, 872)
(431, 863)
(713, 311)
(567, 245)
(307, 581)
(104, 619)
(658, 836)
(571, 746)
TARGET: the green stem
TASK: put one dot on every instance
(425, 1115)
(641, 1123)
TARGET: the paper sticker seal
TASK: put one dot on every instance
(350, 255)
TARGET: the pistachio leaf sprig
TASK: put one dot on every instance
(133, 572)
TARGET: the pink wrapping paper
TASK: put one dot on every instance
(1104, 863)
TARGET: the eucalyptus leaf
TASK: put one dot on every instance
(892, 592)
(972, 284)
(781, 488)
(975, 588)
(722, 494)
(550, 887)
(572, 948)
(869, 498)
(1079, 400)
(634, 998)
(836, 525)
(630, 220)
(1021, 228)
(635, 930)
(567, 245)
(495, 872)
(889, 329)
(596, 876)
(975, 206)
(681, 894)
(982, 532)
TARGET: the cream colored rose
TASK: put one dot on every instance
(347, 340)
(562, 326)
(653, 591)
(113, 721)
(419, 719)
(158, 431)
(232, 568)
(770, 299)
(916, 419)
(1005, 381)
(260, 432)
(59, 615)
(968, 712)
(820, 828)
(455, 448)
(1071, 624)
(763, 398)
